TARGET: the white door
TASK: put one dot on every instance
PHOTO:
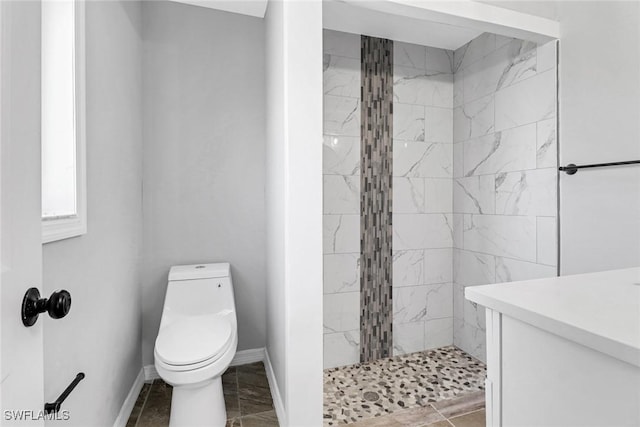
(21, 348)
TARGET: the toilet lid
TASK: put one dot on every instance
(193, 339)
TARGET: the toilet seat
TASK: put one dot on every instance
(193, 341)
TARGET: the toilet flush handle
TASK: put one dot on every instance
(57, 305)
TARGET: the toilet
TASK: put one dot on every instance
(196, 342)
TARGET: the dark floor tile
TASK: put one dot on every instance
(230, 390)
(264, 419)
(254, 395)
(230, 376)
(474, 419)
(460, 405)
(383, 421)
(417, 417)
(157, 409)
(234, 422)
(137, 408)
(251, 375)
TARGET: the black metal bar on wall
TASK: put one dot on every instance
(376, 305)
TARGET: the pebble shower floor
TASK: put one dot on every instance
(363, 391)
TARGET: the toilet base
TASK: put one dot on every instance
(200, 405)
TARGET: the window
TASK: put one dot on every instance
(64, 211)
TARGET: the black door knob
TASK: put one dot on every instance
(58, 305)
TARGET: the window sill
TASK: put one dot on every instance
(62, 228)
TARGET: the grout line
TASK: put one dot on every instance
(436, 409)
(238, 395)
(144, 404)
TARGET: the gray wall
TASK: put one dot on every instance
(101, 335)
(204, 156)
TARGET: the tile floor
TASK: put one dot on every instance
(438, 387)
(246, 394)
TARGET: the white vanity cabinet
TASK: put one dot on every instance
(563, 351)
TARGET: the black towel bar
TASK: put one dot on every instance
(55, 406)
(571, 169)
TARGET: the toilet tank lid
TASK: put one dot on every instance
(199, 271)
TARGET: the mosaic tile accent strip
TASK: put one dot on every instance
(385, 386)
(376, 166)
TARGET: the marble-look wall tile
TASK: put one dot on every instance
(547, 241)
(341, 348)
(474, 194)
(512, 270)
(531, 192)
(458, 160)
(341, 273)
(341, 312)
(341, 197)
(341, 76)
(508, 236)
(438, 195)
(439, 90)
(438, 333)
(438, 265)
(510, 64)
(341, 194)
(424, 302)
(408, 195)
(341, 155)
(438, 123)
(439, 60)
(474, 315)
(526, 102)
(503, 40)
(473, 268)
(458, 301)
(458, 90)
(513, 62)
(341, 233)
(408, 338)
(408, 267)
(546, 146)
(547, 56)
(422, 159)
(341, 44)
(474, 51)
(408, 55)
(341, 116)
(408, 122)
(411, 86)
(473, 119)
(458, 230)
(422, 231)
(510, 150)
(504, 162)
(469, 339)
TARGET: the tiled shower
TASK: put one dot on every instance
(473, 187)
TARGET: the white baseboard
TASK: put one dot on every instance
(130, 401)
(242, 357)
(275, 390)
(150, 373)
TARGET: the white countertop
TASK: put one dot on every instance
(598, 310)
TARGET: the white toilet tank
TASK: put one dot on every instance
(198, 289)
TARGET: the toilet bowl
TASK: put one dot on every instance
(196, 342)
